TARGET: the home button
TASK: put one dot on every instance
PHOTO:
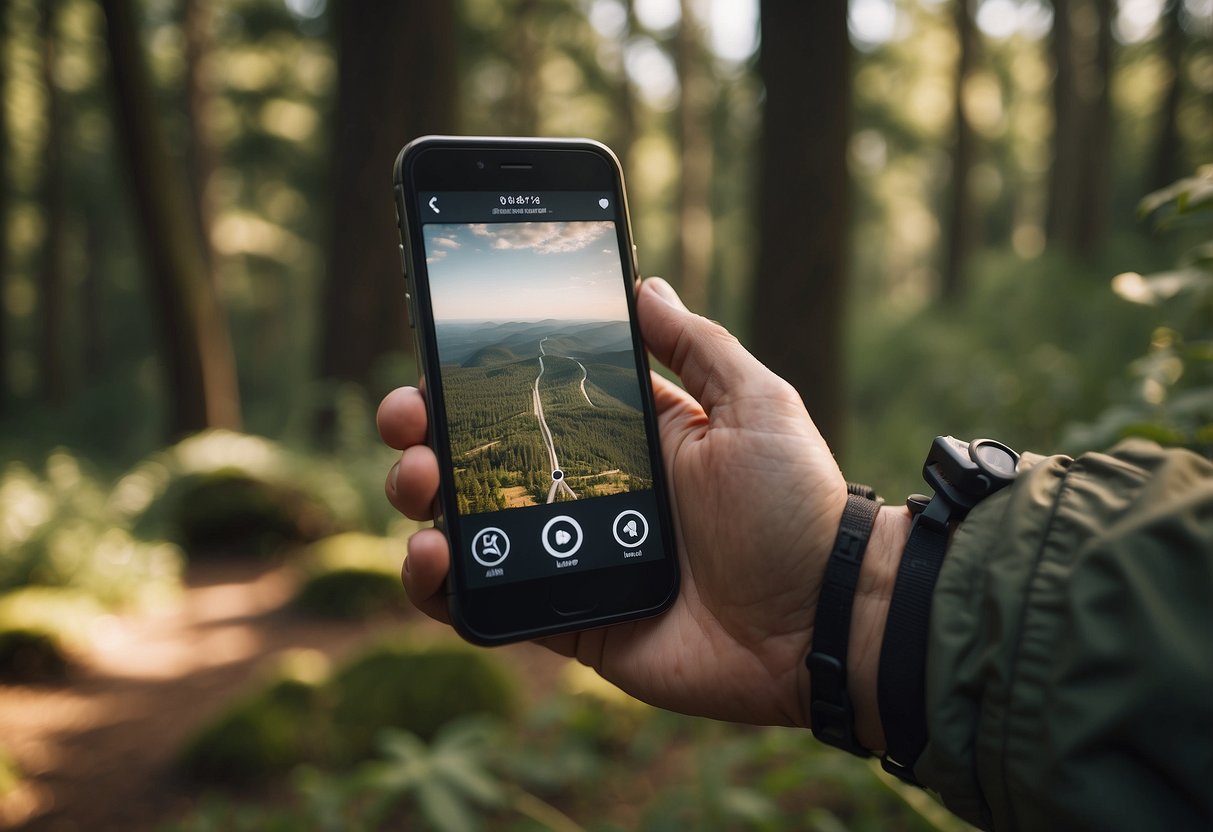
(574, 601)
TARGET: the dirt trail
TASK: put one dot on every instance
(98, 750)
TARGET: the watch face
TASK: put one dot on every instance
(995, 458)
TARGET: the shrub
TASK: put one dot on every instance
(418, 690)
(352, 575)
(59, 530)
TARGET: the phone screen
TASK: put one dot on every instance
(540, 383)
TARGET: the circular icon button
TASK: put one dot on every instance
(561, 536)
(630, 528)
(490, 546)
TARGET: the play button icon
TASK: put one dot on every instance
(561, 536)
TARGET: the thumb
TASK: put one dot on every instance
(712, 364)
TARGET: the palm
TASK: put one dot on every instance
(740, 480)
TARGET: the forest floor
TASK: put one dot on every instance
(98, 750)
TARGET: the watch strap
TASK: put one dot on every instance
(831, 713)
(901, 683)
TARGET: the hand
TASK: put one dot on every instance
(757, 499)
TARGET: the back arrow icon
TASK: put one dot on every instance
(434, 207)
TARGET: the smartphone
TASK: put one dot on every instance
(521, 279)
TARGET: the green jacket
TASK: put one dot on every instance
(1070, 663)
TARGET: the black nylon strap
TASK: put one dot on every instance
(901, 683)
(831, 714)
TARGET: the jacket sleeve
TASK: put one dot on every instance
(1070, 656)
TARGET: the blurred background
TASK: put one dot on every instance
(978, 217)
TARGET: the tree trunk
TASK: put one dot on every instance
(92, 331)
(961, 220)
(625, 98)
(396, 80)
(1078, 183)
(524, 107)
(5, 383)
(799, 286)
(196, 348)
(1167, 165)
(50, 348)
(695, 228)
(197, 22)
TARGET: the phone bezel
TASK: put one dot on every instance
(572, 601)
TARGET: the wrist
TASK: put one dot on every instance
(873, 592)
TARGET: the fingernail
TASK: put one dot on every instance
(666, 292)
(391, 476)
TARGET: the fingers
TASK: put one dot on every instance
(711, 363)
(413, 482)
(424, 573)
(402, 419)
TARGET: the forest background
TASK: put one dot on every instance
(927, 215)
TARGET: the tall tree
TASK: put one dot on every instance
(800, 281)
(396, 80)
(524, 59)
(1167, 165)
(52, 369)
(196, 348)
(625, 98)
(4, 155)
(1081, 44)
(197, 23)
(960, 221)
(695, 106)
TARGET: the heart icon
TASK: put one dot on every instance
(562, 537)
(603, 203)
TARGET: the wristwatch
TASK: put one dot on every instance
(961, 474)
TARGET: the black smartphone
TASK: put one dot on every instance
(521, 277)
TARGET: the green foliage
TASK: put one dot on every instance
(61, 529)
(267, 732)
(226, 491)
(352, 575)
(448, 785)
(415, 689)
(1034, 346)
(302, 714)
(1172, 396)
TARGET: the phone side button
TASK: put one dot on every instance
(408, 305)
(404, 267)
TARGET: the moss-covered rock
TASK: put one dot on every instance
(269, 731)
(352, 576)
(416, 689)
(10, 774)
(300, 715)
(220, 491)
(31, 655)
(40, 627)
(230, 511)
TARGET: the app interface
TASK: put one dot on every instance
(542, 395)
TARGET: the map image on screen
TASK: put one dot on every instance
(543, 400)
